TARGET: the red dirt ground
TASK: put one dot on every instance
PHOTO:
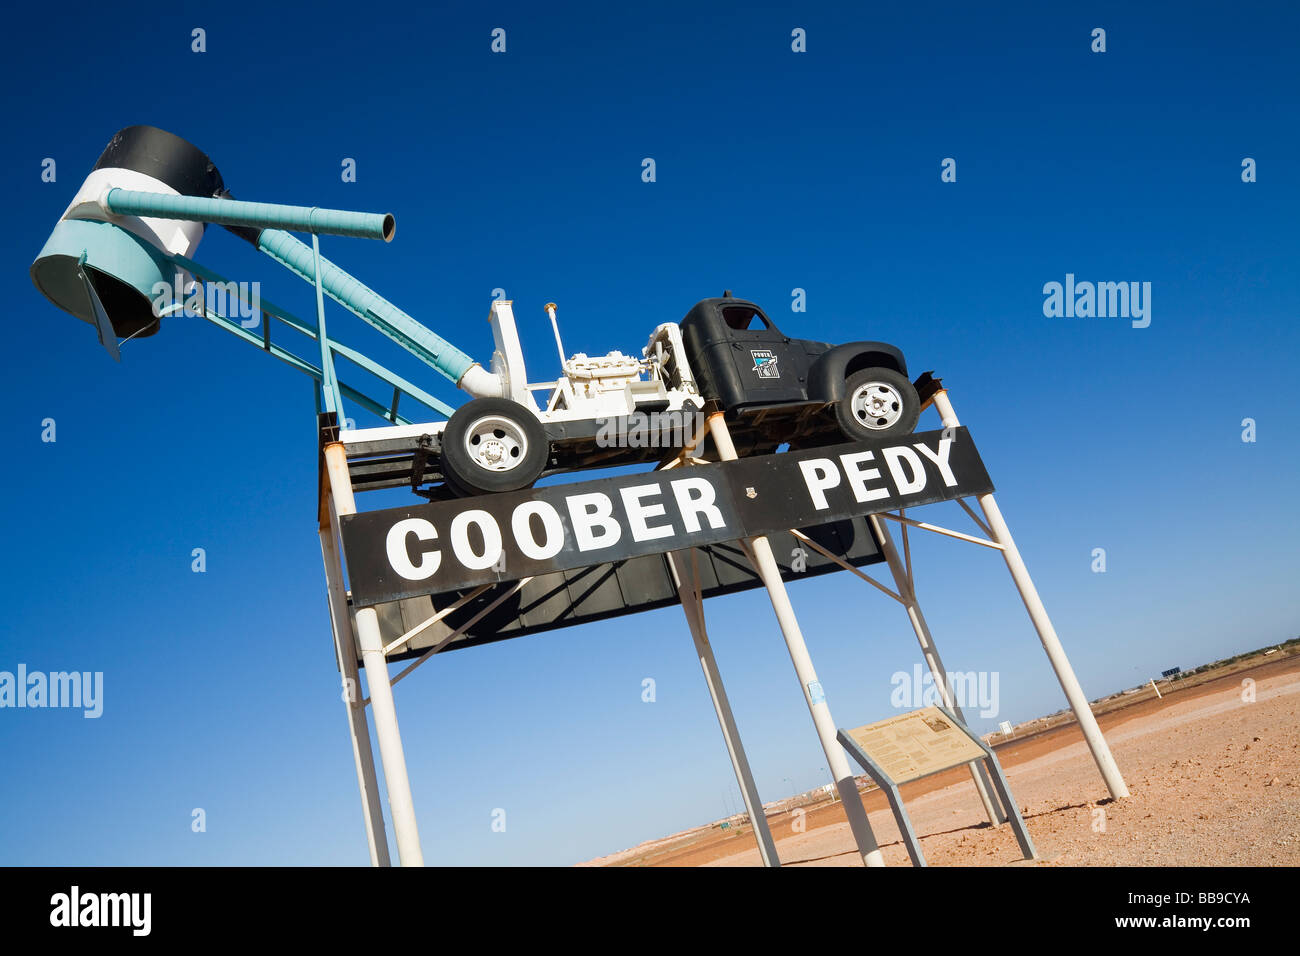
(1215, 780)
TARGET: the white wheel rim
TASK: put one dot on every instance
(876, 405)
(496, 444)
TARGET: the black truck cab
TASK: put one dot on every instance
(754, 371)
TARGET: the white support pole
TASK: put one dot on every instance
(1043, 624)
(906, 588)
(769, 572)
(371, 643)
(358, 726)
(693, 605)
(1159, 696)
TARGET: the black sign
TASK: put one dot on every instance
(445, 546)
(599, 591)
(1171, 672)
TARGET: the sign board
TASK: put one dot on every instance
(916, 744)
(435, 548)
(1171, 672)
(566, 598)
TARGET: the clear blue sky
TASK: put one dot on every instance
(775, 170)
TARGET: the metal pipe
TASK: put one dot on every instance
(1101, 754)
(368, 305)
(555, 327)
(328, 386)
(269, 221)
(257, 215)
(358, 727)
(937, 530)
(907, 589)
(760, 554)
(400, 804)
(693, 607)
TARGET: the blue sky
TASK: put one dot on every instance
(522, 170)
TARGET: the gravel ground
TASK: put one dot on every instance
(1215, 781)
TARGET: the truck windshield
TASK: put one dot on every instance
(741, 317)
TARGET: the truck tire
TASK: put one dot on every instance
(492, 445)
(877, 403)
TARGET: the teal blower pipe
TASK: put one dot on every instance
(257, 215)
(262, 224)
(368, 305)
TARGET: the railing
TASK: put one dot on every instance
(331, 389)
(269, 219)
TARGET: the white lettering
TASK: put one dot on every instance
(487, 526)
(521, 524)
(692, 506)
(858, 477)
(398, 555)
(940, 458)
(894, 458)
(637, 513)
(589, 512)
(826, 476)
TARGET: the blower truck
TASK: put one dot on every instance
(131, 231)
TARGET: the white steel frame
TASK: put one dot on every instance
(360, 632)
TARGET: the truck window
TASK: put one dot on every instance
(741, 318)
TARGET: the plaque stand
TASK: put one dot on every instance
(886, 782)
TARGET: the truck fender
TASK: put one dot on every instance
(827, 375)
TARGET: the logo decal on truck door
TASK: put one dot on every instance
(765, 363)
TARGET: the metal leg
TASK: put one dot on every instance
(906, 589)
(760, 555)
(904, 824)
(891, 792)
(1013, 811)
(994, 768)
(358, 726)
(693, 606)
(400, 804)
(1046, 632)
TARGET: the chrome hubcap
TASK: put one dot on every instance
(877, 405)
(496, 444)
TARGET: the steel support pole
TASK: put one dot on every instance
(769, 572)
(1043, 624)
(693, 606)
(346, 652)
(907, 591)
(371, 645)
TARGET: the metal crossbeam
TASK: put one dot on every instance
(937, 530)
(516, 587)
(844, 564)
(454, 606)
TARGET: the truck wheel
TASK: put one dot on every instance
(492, 445)
(877, 403)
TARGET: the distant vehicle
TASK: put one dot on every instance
(773, 389)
